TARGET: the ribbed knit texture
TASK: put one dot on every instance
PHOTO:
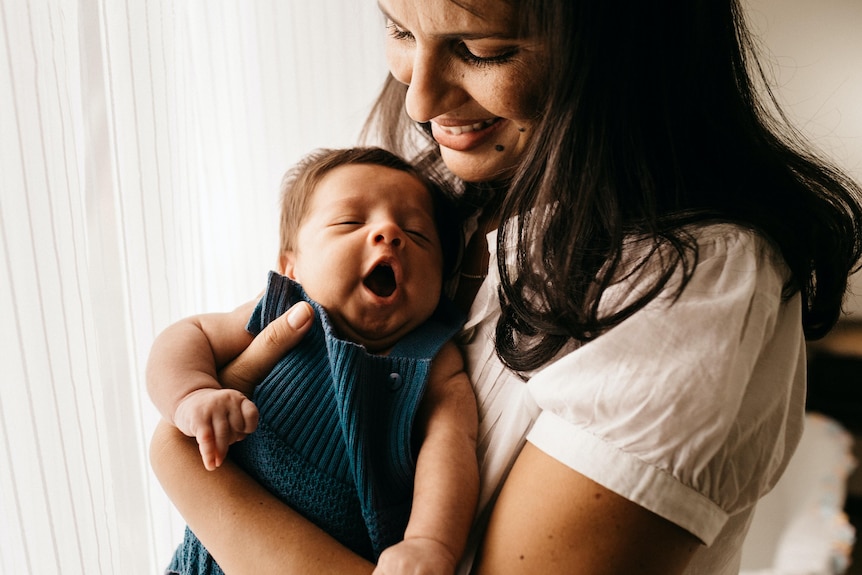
(335, 435)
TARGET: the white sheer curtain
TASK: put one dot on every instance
(142, 147)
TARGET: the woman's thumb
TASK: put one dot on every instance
(280, 336)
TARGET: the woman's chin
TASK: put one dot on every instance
(476, 166)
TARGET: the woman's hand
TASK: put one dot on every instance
(187, 355)
(270, 345)
(244, 526)
(221, 417)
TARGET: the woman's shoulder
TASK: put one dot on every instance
(722, 258)
(689, 399)
(742, 252)
(717, 237)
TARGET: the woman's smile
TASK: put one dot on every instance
(464, 137)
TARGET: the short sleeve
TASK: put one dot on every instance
(690, 408)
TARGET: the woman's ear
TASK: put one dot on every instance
(286, 264)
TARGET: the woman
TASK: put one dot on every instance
(659, 246)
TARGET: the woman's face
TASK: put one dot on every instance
(470, 76)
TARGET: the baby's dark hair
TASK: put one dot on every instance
(299, 183)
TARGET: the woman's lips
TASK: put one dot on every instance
(463, 137)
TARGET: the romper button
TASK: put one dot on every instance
(394, 381)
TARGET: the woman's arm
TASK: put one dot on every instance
(182, 378)
(246, 528)
(550, 519)
(188, 354)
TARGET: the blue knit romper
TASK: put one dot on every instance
(334, 440)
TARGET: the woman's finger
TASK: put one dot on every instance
(277, 338)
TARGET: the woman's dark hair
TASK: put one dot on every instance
(300, 181)
(657, 116)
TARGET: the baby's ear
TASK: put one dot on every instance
(286, 261)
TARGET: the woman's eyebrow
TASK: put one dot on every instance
(455, 35)
(387, 14)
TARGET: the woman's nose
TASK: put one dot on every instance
(431, 90)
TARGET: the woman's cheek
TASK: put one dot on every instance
(525, 89)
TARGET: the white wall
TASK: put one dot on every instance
(814, 50)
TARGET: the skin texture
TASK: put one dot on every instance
(463, 67)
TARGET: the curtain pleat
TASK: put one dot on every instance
(53, 483)
(143, 142)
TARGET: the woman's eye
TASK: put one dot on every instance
(460, 49)
(469, 56)
(397, 33)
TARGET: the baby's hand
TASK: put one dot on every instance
(416, 556)
(217, 418)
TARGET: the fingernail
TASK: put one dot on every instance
(298, 316)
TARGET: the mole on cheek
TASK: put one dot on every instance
(499, 147)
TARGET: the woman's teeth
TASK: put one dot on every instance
(458, 130)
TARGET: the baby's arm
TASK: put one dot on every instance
(447, 475)
(183, 382)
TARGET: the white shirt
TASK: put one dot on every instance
(691, 410)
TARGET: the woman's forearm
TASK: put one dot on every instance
(246, 528)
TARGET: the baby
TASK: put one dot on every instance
(370, 420)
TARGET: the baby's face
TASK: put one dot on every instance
(369, 253)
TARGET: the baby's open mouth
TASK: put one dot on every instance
(381, 280)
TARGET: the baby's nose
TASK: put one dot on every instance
(389, 234)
